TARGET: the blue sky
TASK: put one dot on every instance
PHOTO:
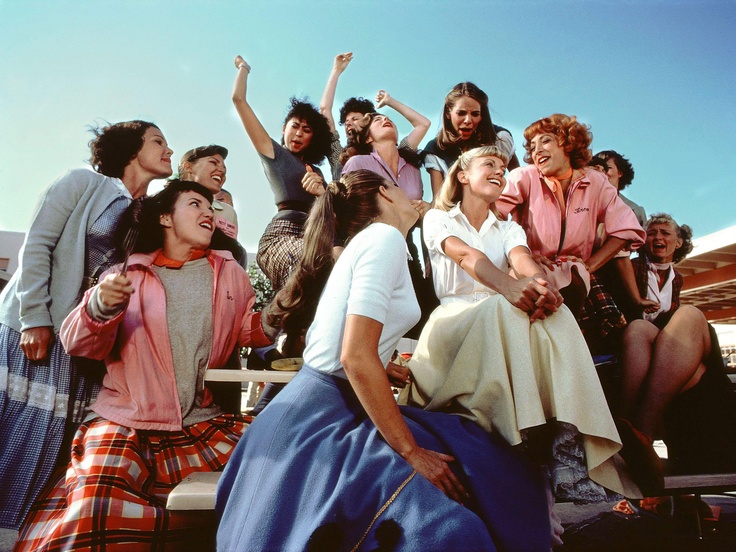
(654, 80)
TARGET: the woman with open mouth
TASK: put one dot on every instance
(673, 385)
(505, 352)
(559, 203)
(45, 393)
(291, 170)
(373, 146)
(466, 124)
(159, 321)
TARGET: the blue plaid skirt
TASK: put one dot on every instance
(313, 459)
(41, 404)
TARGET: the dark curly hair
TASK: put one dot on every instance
(683, 231)
(574, 137)
(115, 146)
(356, 105)
(623, 165)
(146, 216)
(358, 143)
(319, 145)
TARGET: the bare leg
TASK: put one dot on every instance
(638, 342)
(677, 364)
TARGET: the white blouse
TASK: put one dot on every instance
(496, 239)
(371, 278)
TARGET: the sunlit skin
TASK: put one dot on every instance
(187, 228)
(382, 128)
(297, 135)
(352, 121)
(484, 179)
(151, 162)
(549, 156)
(465, 116)
(614, 175)
(208, 171)
(662, 242)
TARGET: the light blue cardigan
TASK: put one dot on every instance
(48, 282)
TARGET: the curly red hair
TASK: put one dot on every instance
(574, 137)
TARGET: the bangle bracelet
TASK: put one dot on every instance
(243, 66)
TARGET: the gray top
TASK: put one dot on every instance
(639, 211)
(284, 173)
(48, 282)
(189, 316)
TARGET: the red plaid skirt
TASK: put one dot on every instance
(113, 495)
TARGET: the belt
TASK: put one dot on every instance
(466, 298)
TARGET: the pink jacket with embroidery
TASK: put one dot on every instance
(591, 200)
(139, 389)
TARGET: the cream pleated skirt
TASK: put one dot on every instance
(485, 361)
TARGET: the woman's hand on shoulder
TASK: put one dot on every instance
(115, 290)
(34, 342)
(313, 183)
(434, 467)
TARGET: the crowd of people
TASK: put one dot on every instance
(510, 282)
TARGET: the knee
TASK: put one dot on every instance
(638, 332)
(690, 315)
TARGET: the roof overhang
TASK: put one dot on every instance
(710, 276)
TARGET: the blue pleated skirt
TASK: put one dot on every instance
(313, 458)
(41, 403)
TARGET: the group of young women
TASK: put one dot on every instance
(502, 413)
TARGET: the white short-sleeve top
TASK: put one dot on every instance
(496, 239)
(371, 278)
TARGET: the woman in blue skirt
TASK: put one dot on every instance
(333, 463)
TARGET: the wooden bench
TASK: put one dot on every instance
(197, 491)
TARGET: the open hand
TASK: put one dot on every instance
(434, 466)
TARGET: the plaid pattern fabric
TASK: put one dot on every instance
(641, 271)
(600, 313)
(279, 250)
(114, 491)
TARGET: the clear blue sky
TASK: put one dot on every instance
(654, 79)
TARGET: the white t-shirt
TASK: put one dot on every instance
(496, 239)
(371, 278)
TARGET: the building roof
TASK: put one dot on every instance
(710, 276)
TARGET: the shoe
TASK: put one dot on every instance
(641, 458)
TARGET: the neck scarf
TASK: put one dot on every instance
(163, 260)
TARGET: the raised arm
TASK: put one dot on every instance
(368, 378)
(420, 123)
(328, 96)
(257, 134)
